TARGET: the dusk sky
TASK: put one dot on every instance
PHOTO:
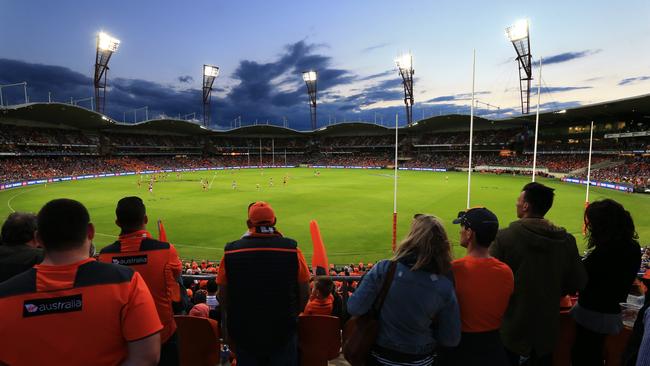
(596, 51)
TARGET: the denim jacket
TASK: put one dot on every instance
(419, 312)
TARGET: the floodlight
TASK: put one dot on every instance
(404, 62)
(518, 31)
(209, 70)
(405, 67)
(310, 77)
(106, 46)
(107, 43)
(519, 35)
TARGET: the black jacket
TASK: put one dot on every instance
(15, 259)
(611, 271)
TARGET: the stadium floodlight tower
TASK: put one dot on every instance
(210, 73)
(310, 78)
(106, 46)
(405, 66)
(520, 37)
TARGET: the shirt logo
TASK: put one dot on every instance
(65, 304)
(131, 260)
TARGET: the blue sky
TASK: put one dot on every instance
(599, 49)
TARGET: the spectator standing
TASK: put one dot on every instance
(156, 261)
(18, 251)
(483, 288)
(612, 265)
(420, 310)
(211, 298)
(71, 309)
(263, 285)
(546, 266)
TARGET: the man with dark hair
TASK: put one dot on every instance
(483, 288)
(18, 251)
(72, 310)
(263, 286)
(156, 261)
(546, 265)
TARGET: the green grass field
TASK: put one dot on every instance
(353, 207)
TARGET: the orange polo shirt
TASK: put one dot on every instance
(159, 265)
(77, 314)
(483, 289)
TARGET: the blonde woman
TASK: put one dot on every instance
(420, 311)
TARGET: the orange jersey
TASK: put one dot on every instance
(77, 314)
(483, 289)
(159, 265)
(317, 306)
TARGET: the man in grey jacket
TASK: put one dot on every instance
(546, 266)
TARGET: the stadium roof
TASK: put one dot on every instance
(634, 108)
(59, 115)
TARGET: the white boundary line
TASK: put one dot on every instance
(16, 195)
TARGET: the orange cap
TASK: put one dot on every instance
(261, 214)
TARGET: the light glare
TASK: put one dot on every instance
(518, 31)
(209, 70)
(308, 76)
(404, 62)
(107, 43)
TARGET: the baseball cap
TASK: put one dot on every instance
(261, 214)
(482, 221)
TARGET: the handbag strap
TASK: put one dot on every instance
(379, 301)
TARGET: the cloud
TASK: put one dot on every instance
(260, 91)
(568, 56)
(560, 89)
(455, 97)
(374, 47)
(378, 75)
(633, 80)
(185, 79)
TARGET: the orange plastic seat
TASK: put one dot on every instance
(319, 339)
(198, 340)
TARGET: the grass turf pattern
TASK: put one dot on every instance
(353, 207)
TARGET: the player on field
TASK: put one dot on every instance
(271, 182)
(284, 181)
(150, 187)
(257, 186)
(234, 184)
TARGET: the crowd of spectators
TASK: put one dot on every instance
(486, 315)
(634, 171)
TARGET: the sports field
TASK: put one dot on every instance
(353, 207)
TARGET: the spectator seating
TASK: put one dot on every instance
(319, 338)
(198, 340)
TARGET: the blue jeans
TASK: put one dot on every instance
(283, 356)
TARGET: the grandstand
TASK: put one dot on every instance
(38, 141)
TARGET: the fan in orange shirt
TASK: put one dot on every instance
(321, 301)
(483, 288)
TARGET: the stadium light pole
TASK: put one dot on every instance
(405, 66)
(210, 72)
(106, 46)
(310, 78)
(519, 35)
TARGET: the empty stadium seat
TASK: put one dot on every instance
(319, 339)
(198, 340)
